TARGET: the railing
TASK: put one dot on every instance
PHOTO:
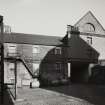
(27, 61)
(27, 65)
(12, 88)
(13, 55)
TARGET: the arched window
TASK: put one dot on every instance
(89, 27)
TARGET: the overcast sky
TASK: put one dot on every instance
(48, 17)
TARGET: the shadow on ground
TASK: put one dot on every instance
(7, 98)
(94, 94)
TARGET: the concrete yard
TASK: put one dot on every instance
(92, 93)
(74, 94)
(40, 96)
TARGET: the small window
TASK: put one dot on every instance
(36, 68)
(58, 66)
(89, 40)
(89, 53)
(12, 49)
(35, 49)
(57, 50)
(11, 70)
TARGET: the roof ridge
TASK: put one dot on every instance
(97, 20)
(35, 34)
(82, 18)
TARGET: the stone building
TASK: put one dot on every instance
(52, 58)
(94, 34)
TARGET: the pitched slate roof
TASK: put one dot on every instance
(22, 38)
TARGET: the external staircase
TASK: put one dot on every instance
(27, 62)
(28, 65)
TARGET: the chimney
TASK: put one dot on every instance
(71, 30)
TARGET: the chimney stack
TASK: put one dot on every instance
(72, 30)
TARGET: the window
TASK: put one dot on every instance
(35, 49)
(89, 53)
(89, 40)
(12, 49)
(58, 50)
(36, 68)
(11, 68)
(89, 27)
(58, 66)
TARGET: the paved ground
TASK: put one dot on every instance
(92, 93)
(62, 95)
(47, 97)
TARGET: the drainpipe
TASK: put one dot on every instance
(2, 59)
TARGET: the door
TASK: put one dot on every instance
(69, 70)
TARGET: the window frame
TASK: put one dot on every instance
(12, 49)
(58, 51)
(58, 66)
(89, 40)
(37, 49)
(89, 27)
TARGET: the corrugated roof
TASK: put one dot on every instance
(22, 38)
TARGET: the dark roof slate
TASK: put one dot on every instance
(22, 38)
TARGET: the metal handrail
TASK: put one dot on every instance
(24, 59)
(13, 54)
(27, 65)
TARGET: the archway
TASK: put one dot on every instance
(79, 72)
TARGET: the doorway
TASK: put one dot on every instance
(79, 72)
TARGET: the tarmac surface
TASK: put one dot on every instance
(92, 93)
(40, 96)
(75, 94)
